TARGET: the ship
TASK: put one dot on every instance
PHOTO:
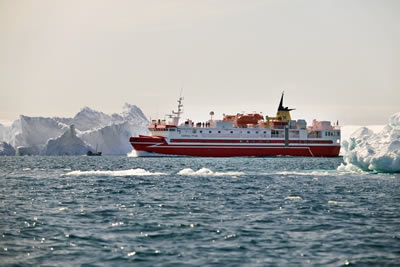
(240, 135)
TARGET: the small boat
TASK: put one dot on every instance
(91, 153)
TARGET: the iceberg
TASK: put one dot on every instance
(113, 139)
(67, 144)
(31, 131)
(108, 133)
(379, 151)
(6, 149)
(35, 131)
(88, 119)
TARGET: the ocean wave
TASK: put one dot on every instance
(131, 172)
(307, 173)
(207, 172)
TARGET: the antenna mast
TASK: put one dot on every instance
(176, 115)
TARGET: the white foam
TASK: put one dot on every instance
(131, 172)
(293, 198)
(132, 154)
(136, 153)
(333, 202)
(207, 172)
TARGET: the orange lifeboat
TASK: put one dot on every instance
(229, 118)
(249, 119)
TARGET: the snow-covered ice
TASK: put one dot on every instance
(369, 150)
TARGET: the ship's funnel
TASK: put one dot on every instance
(283, 113)
(281, 107)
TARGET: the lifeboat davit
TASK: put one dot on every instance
(249, 119)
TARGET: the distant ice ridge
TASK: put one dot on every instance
(97, 130)
(366, 150)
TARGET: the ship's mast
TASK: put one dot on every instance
(176, 115)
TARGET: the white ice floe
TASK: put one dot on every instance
(367, 150)
(130, 172)
(207, 172)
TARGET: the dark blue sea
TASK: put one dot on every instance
(123, 211)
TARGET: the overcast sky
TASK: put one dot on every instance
(336, 60)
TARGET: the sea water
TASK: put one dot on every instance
(122, 211)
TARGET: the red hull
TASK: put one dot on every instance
(160, 146)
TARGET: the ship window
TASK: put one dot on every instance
(248, 132)
(201, 131)
(231, 131)
(210, 131)
(265, 132)
(219, 131)
(256, 132)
